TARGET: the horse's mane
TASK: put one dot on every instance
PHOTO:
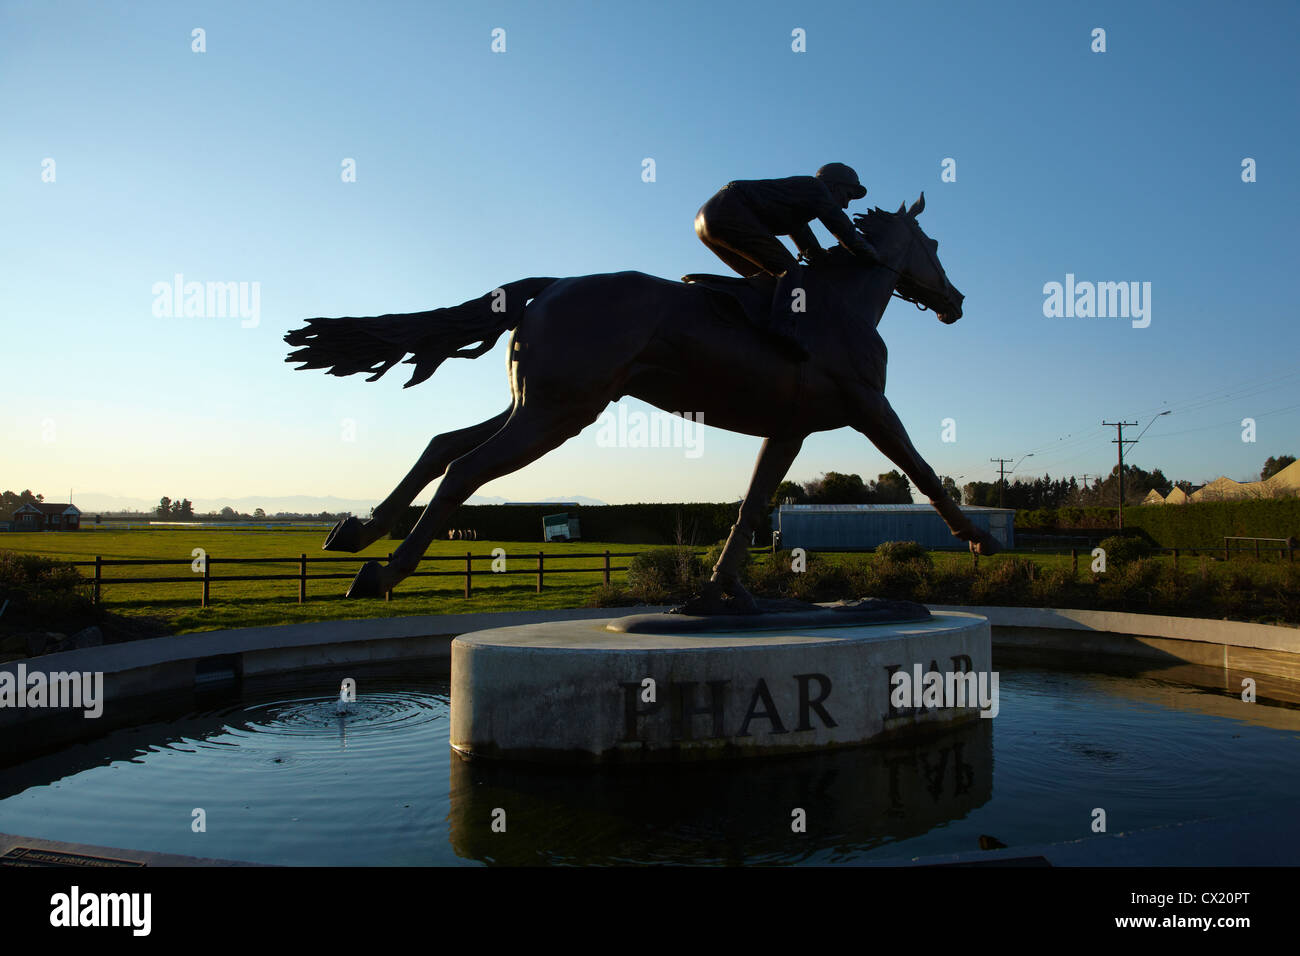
(870, 225)
(873, 222)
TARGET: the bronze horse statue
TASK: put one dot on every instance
(583, 342)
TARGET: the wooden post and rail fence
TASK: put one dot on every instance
(530, 563)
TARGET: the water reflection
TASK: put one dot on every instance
(738, 812)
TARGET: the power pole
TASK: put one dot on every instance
(1002, 477)
(1119, 443)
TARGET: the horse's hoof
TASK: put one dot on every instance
(743, 603)
(718, 597)
(985, 545)
(346, 535)
(369, 581)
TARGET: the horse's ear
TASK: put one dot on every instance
(918, 207)
(902, 208)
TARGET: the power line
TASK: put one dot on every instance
(1195, 402)
(1188, 431)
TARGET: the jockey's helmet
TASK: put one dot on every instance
(838, 173)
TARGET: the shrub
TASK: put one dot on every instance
(610, 595)
(664, 574)
(43, 592)
(1007, 579)
(822, 581)
(898, 580)
(714, 554)
(1132, 582)
(900, 551)
(771, 576)
(1124, 549)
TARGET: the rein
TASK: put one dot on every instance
(924, 288)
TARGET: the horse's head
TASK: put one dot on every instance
(899, 239)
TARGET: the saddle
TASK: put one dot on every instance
(749, 299)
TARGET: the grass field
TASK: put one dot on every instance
(252, 603)
(175, 607)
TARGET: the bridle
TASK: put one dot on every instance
(934, 260)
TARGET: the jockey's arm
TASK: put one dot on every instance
(843, 229)
(806, 242)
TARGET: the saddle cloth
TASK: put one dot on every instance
(751, 298)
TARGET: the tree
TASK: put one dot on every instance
(259, 513)
(10, 502)
(788, 489)
(834, 488)
(983, 494)
(165, 508)
(228, 513)
(1274, 465)
(891, 488)
(951, 490)
(183, 508)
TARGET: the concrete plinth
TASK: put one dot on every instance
(576, 691)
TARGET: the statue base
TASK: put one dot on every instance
(597, 692)
(774, 615)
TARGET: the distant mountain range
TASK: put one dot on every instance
(290, 504)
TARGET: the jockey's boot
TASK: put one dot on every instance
(784, 321)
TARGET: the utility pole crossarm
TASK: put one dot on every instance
(1002, 477)
(1119, 442)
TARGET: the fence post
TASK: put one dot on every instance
(1226, 556)
(1074, 561)
(539, 572)
(1175, 562)
(607, 565)
(1257, 549)
(468, 573)
(302, 578)
(99, 575)
(388, 595)
(207, 578)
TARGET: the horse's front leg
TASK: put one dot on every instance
(880, 424)
(355, 534)
(774, 461)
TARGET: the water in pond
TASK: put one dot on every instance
(285, 778)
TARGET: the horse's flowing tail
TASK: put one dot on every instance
(375, 344)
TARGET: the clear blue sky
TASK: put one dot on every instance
(475, 168)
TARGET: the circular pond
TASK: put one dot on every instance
(284, 778)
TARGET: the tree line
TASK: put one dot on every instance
(836, 488)
(11, 501)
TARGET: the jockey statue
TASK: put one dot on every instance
(741, 222)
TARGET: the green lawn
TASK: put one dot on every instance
(175, 607)
(251, 603)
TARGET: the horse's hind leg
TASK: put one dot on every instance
(880, 424)
(530, 433)
(774, 461)
(354, 534)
